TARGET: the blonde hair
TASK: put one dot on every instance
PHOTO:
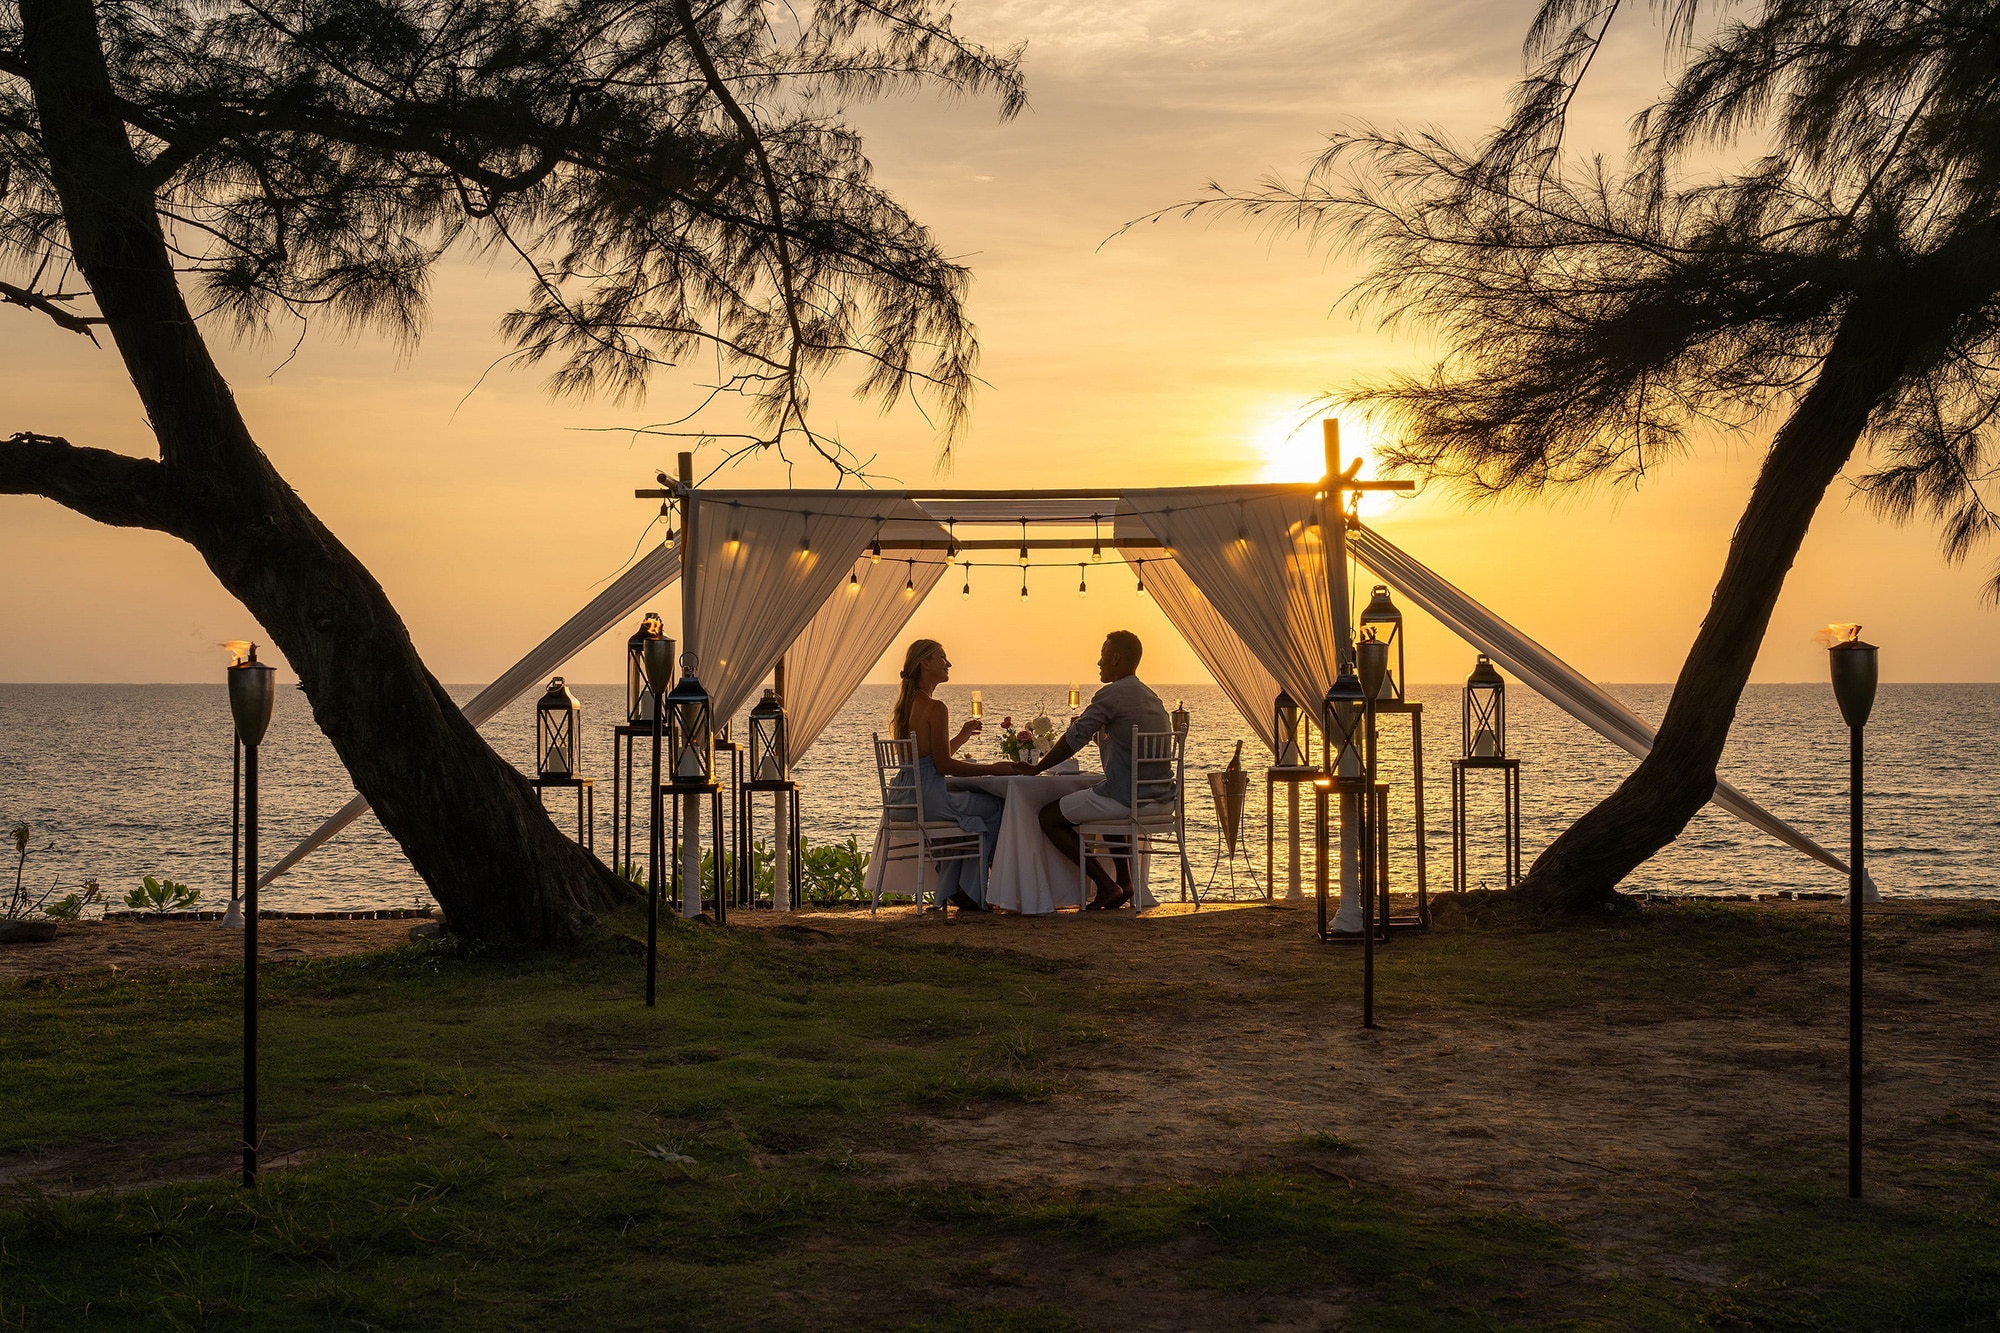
(906, 690)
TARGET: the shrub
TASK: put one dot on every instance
(159, 897)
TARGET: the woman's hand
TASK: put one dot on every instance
(973, 726)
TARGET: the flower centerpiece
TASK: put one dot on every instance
(1017, 745)
(1030, 743)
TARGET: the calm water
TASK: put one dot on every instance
(134, 780)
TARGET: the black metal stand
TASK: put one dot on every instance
(655, 867)
(672, 793)
(586, 806)
(1857, 887)
(625, 788)
(1510, 775)
(1292, 779)
(787, 792)
(1415, 712)
(250, 966)
(732, 787)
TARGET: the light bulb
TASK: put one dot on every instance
(853, 581)
(875, 550)
(1082, 590)
(1024, 555)
(910, 583)
(965, 593)
(1096, 553)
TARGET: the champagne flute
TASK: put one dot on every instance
(1075, 697)
(978, 704)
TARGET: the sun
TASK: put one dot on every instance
(1292, 446)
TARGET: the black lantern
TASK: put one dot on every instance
(638, 696)
(770, 746)
(691, 740)
(1385, 621)
(558, 724)
(1484, 716)
(1180, 718)
(1285, 732)
(1342, 725)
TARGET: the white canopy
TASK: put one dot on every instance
(1241, 572)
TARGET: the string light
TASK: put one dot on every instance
(875, 547)
(910, 583)
(735, 524)
(1024, 583)
(667, 514)
(951, 539)
(1096, 542)
(854, 580)
(965, 593)
(1142, 578)
(1024, 547)
(1081, 589)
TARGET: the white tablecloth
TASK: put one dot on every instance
(1029, 874)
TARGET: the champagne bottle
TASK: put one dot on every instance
(1236, 760)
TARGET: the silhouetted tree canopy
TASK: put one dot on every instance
(677, 178)
(1591, 315)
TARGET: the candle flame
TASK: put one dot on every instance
(238, 649)
(1836, 634)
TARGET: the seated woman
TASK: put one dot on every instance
(928, 722)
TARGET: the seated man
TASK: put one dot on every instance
(1123, 706)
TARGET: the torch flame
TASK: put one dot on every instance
(1836, 634)
(238, 649)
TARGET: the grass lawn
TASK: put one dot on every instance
(1008, 1125)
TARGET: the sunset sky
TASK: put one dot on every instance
(1177, 353)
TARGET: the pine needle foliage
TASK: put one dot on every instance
(676, 178)
(1592, 315)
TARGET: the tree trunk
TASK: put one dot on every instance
(467, 821)
(1878, 342)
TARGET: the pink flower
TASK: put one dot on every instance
(1006, 724)
(1025, 736)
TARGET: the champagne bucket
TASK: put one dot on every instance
(1229, 788)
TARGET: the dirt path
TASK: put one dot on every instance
(1235, 1045)
(151, 946)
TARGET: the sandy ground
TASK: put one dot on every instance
(1232, 1033)
(149, 946)
(1620, 1121)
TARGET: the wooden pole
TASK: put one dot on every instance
(689, 850)
(781, 825)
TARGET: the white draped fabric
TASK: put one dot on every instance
(1255, 553)
(650, 573)
(1221, 649)
(768, 562)
(1550, 677)
(852, 630)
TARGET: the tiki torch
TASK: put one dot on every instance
(252, 690)
(658, 658)
(1854, 672)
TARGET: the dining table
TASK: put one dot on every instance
(1028, 875)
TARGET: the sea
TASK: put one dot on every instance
(117, 782)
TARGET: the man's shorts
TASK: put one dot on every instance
(1089, 806)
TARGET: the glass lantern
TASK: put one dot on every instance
(1371, 665)
(1285, 732)
(558, 725)
(1342, 728)
(1180, 718)
(1485, 712)
(638, 698)
(692, 733)
(1382, 616)
(770, 746)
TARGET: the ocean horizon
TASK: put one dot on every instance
(130, 780)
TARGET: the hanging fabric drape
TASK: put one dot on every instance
(648, 574)
(768, 561)
(1256, 555)
(1221, 649)
(1548, 676)
(853, 629)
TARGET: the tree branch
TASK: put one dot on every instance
(48, 305)
(111, 488)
